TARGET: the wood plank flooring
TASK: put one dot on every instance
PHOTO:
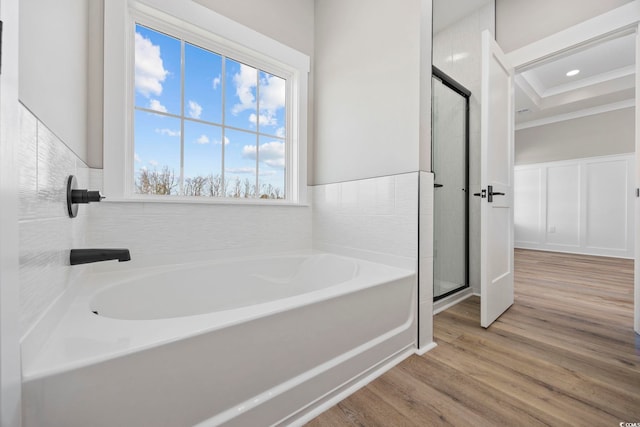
(565, 354)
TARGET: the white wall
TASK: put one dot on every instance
(54, 39)
(456, 51)
(46, 231)
(596, 135)
(288, 21)
(578, 206)
(367, 88)
(10, 378)
(518, 22)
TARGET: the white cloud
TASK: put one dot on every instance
(264, 120)
(218, 142)
(271, 153)
(168, 132)
(216, 82)
(272, 94)
(280, 132)
(245, 82)
(203, 139)
(195, 110)
(149, 69)
(136, 158)
(154, 104)
(153, 163)
(241, 170)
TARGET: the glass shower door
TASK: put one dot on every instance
(449, 165)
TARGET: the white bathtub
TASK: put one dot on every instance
(251, 342)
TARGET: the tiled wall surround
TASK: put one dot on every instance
(176, 232)
(374, 218)
(46, 231)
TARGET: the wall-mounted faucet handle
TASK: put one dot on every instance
(85, 196)
(75, 196)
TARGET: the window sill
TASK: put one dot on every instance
(204, 201)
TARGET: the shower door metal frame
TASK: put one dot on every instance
(466, 94)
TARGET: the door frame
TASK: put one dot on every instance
(452, 84)
(624, 18)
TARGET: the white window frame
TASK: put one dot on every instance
(193, 22)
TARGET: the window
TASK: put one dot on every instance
(205, 115)
(205, 124)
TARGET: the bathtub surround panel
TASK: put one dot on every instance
(46, 231)
(161, 233)
(374, 219)
(310, 357)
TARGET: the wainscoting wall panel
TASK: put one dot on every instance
(579, 206)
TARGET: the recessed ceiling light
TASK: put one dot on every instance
(572, 73)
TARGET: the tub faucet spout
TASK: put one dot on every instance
(85, 256)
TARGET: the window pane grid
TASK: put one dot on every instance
(189, 119)
(256, 113)
(181, 116)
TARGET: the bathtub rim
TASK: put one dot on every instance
(74, 313)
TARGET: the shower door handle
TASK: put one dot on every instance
(438, 185)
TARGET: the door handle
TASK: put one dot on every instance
(438, 185)
(482, 194)
(491, 193)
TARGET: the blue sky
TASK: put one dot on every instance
(158, 137)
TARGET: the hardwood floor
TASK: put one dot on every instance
(564, 354)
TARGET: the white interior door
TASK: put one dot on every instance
(496, 121)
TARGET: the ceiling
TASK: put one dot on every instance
(544, 93)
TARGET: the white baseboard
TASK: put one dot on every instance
(609, 253)
(426, 348)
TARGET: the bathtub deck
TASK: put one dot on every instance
(564, 354)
